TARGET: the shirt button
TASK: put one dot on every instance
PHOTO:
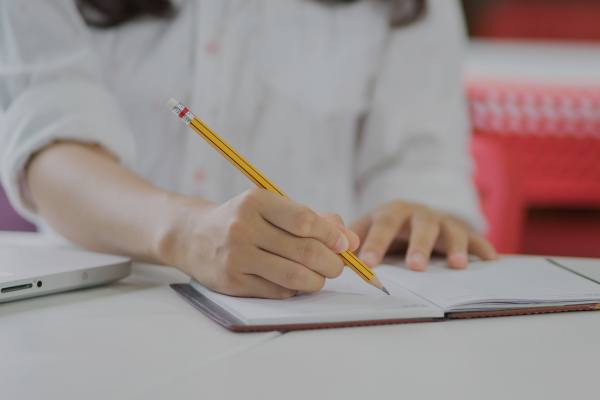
(199, 175)
(212, 47)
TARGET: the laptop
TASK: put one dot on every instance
(29, 271)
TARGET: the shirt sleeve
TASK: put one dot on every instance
(414, 145)
(51, 89)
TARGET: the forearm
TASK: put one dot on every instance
(89, 198)
(257, 244)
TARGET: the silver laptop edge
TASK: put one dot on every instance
(104, 269)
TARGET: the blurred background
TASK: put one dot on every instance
(533, 86)
(532, 80)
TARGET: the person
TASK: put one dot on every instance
(354, 107)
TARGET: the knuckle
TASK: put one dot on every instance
(427, 231)
(397, 207)
(305, 221)
(249, 200)
(337, 267)
(456, 221)
(332, 236)
(309, 252)
(292, 277)
(449, 227)
(428, 215)
(385, 220)
(238, 231)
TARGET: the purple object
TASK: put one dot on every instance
(9, 219)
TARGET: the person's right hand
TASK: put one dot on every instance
(258, 244)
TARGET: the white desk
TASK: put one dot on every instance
(543, 357)
(110, 342)
(138, 339)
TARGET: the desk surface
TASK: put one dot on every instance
(108, 342)
(138, 339)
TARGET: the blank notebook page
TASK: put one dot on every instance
(347, 298)
(509, 280)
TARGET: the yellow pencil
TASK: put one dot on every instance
(260, 180)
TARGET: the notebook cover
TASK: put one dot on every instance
(511, 312)
(231, 322)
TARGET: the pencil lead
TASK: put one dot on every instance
(385, 290)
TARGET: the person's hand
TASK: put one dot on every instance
(398, 224)
(258, 245)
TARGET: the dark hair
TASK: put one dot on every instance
(402, 12)
(109, 13)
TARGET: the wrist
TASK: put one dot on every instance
(170, 234)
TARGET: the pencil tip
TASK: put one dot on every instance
(385, 290)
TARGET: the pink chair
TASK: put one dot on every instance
(499, 192)
(539, 19)
(537, 152)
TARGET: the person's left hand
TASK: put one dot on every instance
(394, 225)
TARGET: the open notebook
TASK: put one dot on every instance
(509, 286)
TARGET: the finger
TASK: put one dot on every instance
(361, 226)
(284, 272)
(309, 252)
(384, 228)
(255, 286)
(424, 232)
(352, 237)
(303, 222)
(482, 248)
(456, 242)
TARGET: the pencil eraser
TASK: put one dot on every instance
(172, 103)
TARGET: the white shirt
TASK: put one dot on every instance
(286, 82)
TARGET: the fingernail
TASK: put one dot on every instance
(342, 244)
(369, 257)
(416, 261)
(458, 260)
